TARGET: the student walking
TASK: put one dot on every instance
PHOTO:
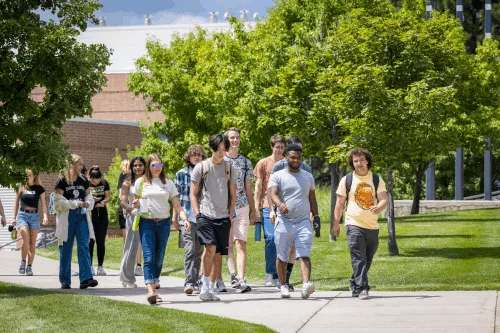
(27, 218)
(151, 195)
(72, 202)
(99, 188)
(132, 245)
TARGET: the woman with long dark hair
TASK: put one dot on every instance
(131, 247)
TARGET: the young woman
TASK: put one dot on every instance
(131, 248)
(99, 188)
(27, 219)
(124, 167)
(151, 195)
(72, 203)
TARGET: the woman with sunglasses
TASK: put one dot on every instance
(27, 219)
(131, 247)
(151, 196)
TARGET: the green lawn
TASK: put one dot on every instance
(447, 251)
(27, 309)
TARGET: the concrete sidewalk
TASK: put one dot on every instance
(324, 311)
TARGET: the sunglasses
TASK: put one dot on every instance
(156, 165)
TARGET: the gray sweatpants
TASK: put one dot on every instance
(192, 254)
(363, 244)
(132, 243)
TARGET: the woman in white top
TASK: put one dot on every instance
(151, 195)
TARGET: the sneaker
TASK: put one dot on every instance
(290, 287)
(138, 270)
(196, 290)
(129, 285)
(235, 283)
(307, 289)
(278, 285)
(205, 294)
(22, 268)
(354, 293)
(285, 293)
(213, 295)
(93, 270)
(364, 295)
(65, 286)
(101, 271)
(221, 287)
(88, 283)
(188, 289)
(243, 287)
(269, 281)
(29, 271)
(75, 273)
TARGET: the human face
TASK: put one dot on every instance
(234, 139)
(195, 159)
(138, 168)
(294, 158)
(219, 154)
(78, 167)
(278, 149)
(156, 167)
(360, 165)
(95, 181)
(31, 177)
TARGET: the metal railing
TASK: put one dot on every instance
(480, 196)
(48, 239)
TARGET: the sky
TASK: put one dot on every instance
(131, 12)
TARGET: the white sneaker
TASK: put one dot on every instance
(93, 271)
(75, 273)
(285, 293)
(364, 295)
(101, 271)
(138, 270)
(269, 281)
(213, 295)
(307, 289)
(221, 287)
(205, 294)
(243, 288)
(129, 285)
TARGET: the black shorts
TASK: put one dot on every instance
(214, 232)
(121, 219)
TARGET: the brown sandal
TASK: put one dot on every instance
(152, 299)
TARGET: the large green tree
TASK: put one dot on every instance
(38, 53)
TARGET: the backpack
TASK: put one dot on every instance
(204, 174)
(348, 184)
(52, 210)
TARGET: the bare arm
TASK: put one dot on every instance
(251, 202)
(339, 209)
(178, 210)
(382, 203)
(233, 201)
(16, 204)
(313, 202)
(193, 197)
(258, 195)
(44, 209)
(2, 214)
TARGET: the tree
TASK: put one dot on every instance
(37, 53)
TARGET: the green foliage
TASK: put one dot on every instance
(36, 53)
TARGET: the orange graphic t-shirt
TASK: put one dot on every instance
(361, 198)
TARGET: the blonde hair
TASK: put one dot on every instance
(67, 173)
(125, 166)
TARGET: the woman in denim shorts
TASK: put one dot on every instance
(27, 219)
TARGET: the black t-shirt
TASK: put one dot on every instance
(31, 195)
(98, 190)
(75, 191)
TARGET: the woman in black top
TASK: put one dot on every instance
(99, 188)
(27, 219)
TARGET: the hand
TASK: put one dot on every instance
(45, 221)
(258, 217)
(187, 225)
(175, 225)
(14, 221)
(375, 210)
(336, 230)
(272, 216)
(128, 210)
(83, 204)
(253, 218)
(283, 208)
(135, 203)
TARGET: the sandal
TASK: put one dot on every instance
(152, 299)
(158, 299)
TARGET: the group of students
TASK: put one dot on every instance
(213, 207)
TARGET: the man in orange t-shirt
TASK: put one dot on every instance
(262, 174)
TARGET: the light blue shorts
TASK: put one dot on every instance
(287, 234)
(30, 220)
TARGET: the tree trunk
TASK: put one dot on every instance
(334, 183)
(419, 173)
(391, 223)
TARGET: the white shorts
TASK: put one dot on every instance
(287, 234)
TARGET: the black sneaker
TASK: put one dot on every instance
(235, 283)
(354, 292)
(65, 286)
(88, 283)
(290, 287)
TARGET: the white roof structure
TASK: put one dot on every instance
(129, 42)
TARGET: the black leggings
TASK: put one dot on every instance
(100, 222)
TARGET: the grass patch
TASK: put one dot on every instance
(446, 251)
(28, 309)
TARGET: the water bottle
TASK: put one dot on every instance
(13, 232)
(258, 230)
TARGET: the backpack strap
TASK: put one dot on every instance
(204, 173)
(245, 175)
(228, 178)
(376, 181)
(348, 184)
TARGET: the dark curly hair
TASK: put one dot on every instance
(360, 152)
(194, 150)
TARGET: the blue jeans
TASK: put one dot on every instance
(270, 247)
(154, 238)
(77, 226)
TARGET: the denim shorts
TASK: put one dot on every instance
(287, 234)
(30, 220)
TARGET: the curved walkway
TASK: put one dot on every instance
(324, 311)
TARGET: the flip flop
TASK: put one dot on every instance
(152, 299)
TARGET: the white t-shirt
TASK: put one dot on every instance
(158, 195)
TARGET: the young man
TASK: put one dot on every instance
(245, 210)
(292, 191)
(213, 197)
(262, 173)
(192, 248)
(366, 197)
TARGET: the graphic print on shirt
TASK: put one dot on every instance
(363, 196)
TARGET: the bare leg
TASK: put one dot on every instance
(25, 234)
(217, 267)
(305, 268)
(241, 249)
(291, 256)
(230, 255)
(32, 246)
(151, 289)
(207, 259)
(281, 268)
